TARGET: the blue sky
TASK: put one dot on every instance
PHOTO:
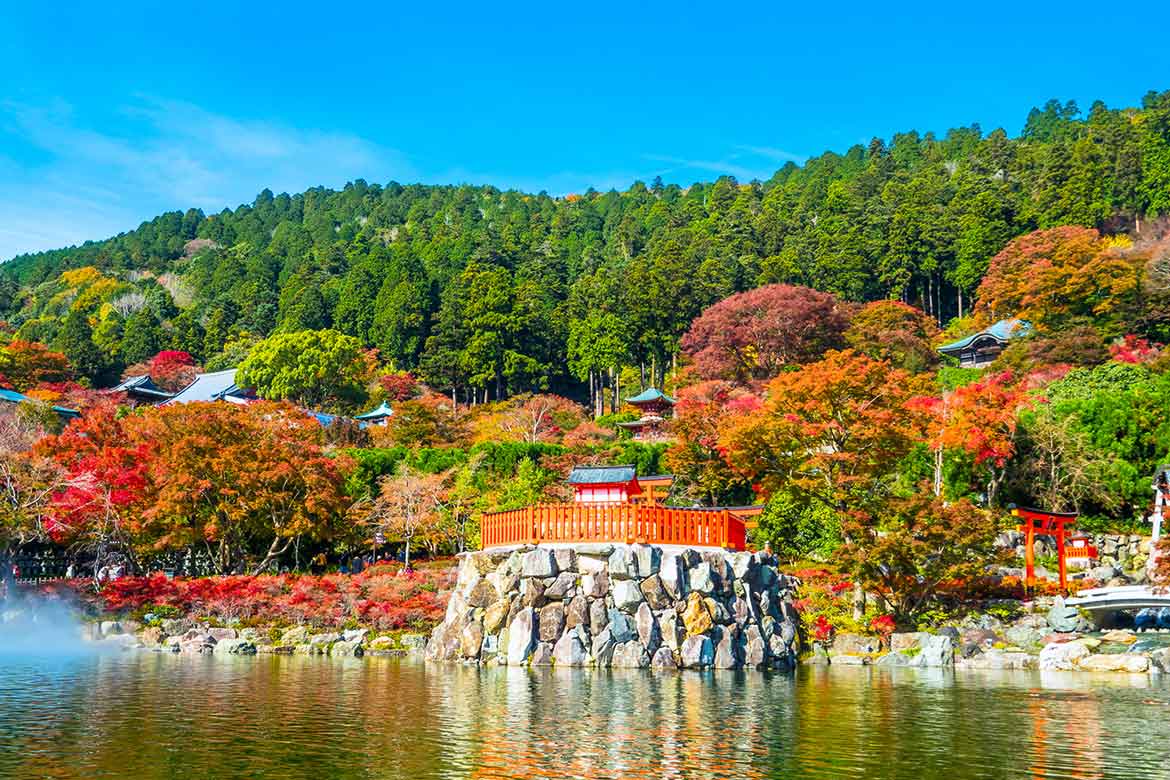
(113, 113)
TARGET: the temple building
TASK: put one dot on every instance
(655, 407)
(141, 391)
(14, 398)
(216, 386)
(379, 416)
(982, 348)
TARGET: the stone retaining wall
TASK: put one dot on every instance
(616, 605)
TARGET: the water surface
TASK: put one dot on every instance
(146, 715)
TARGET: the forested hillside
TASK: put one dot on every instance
(490, 293)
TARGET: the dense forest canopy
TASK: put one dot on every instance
(486, 293)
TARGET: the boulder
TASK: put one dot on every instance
(220, 634)
(624, 564)
(696, 617)
(495, 616)
(935, 650)
(700, 579)
(297, 635)
(672, 575)
(1119, 637)
(654, 593)
(1024, 636)
(621, 627)
(570, 649)
(470, 640)
(630, 655)
(1061, 656)
(672, 630)
(647, 625)
(856, 644)
(531, 593)
(413, 643)
(350, 635)
(595, 585)
(566, 558)
(589, 564)
(483, 594)
(663, 659)
(1119, 662)
(602, 648)
(1063, 619)
(697, 652)
(561, 588)
(522, 636)
(598, 616)
(552, 621)
(627, 595)
(235, 646)
(542, 655)
(109, 628)
(755, 649)
(353, 649)
(540, 563)
(725, 652)
(151, 636)
(382, 643)
(577, 612)
(648, 558)
(742, 564)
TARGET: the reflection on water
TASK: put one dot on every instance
(161, 716)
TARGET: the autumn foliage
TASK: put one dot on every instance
(1050, 275)
(753, 335)
(383, 597)
(242, 481)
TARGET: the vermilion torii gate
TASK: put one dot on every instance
(1035, 521)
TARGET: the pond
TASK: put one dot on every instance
(146, 715)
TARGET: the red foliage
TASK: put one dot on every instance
(384, 597)
(1134, 349)
(172, 369)
(29, 363)
(883, 625)
(822, 629)
(399, 386)
(753, 335)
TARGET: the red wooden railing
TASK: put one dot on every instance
(627, 523)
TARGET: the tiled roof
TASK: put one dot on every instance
(209, 387)
(650, 394)
(602, 475)
(1002, 331)
(383, 410)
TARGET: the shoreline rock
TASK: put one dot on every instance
(622, 606)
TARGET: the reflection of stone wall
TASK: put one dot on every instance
(622, 606)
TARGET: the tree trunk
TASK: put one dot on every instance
(406, 557)
(272, 554)
(858, 602)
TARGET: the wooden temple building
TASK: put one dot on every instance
(980, 349)
(655, 407)
(613, 504)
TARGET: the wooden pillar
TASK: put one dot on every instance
(1029, 554)
(1060, 555)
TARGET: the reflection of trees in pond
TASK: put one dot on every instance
(159, 716)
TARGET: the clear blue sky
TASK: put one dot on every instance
(112, 113)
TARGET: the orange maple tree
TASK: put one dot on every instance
(244, 480)
(1052, 274)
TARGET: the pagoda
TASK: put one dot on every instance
(655, 407)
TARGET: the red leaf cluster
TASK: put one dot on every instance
(384, 597)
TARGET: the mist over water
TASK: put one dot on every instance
(41, 627)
